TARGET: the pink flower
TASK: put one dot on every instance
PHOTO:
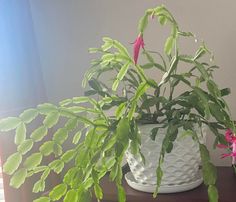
(137, 44)
(231, 139)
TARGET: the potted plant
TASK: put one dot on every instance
(101, 139)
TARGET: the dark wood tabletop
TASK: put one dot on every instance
(226, 185)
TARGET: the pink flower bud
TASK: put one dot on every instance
(137, 44)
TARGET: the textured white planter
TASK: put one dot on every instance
(181, 166)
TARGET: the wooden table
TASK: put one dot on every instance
(226, 185)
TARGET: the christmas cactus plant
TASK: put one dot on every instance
(102, 124)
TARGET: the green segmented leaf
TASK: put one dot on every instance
(123, 130)
(200, 52)
(202, 70)
(12, 163)
(85, 196)
(143, 22)
(51, 119)
(140, 90)
(77, 109)
(121, 194)
(47, 148)
(42, 199)
(20, 134)
(216, 111)
(98, 191)
(132, 110)
(110, 162)
(39, 186)
(154, 133)
(45, 174)
(40, 169)
(82, 158)
(108, 57)
(57, 149)
(77, 137)
(109, 144)
(29, 115)
(78, 100)
(205, 156)
(213, 193)
(25, 146)
(181, 78)
(68, 156)
(173, 66)
(120, 110)
(225, 91)
(121, 48)
(209, 173)
(107, 45)
(71, 196)
(65, 112)
(9, 123)
(58, 192)
(94, 50)
(39, 133)
(94, 84)
(90, 92)
(70, 175)
(204, 98)
(107, 39)
(162, 20)
(123, 71)
(115, 85)
(71, 124)
(88, 183)
(46, 108)
(169, 45)
(114, 172)
(33, 161)
(169, 147)
(66, 102)
(18, 178)
(188, 34)
(213, 88)
(60, 136)
(159, 174)
(57, 166)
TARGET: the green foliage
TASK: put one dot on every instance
(26, 146)
(143, 22)
(42, 199)
(100, 139)
(209, 174)
(71, 196)
(159, 174)
(169, 45)
(18, 178)
(9, 123)
(39, 186)
(51, 119)
(39, 133)
(60, 136)
(46, 148)
(213, 193)
(12, 163)
(20, 134)
(28, 115)
(33, 160)
(58, 192)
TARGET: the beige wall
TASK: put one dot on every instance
(65, 29)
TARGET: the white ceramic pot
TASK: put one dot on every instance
(180, 167)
